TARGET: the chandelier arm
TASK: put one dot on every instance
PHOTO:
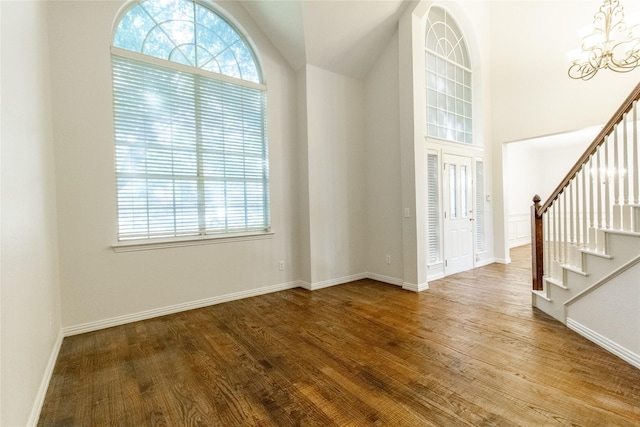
(627, 64)
(582, 71)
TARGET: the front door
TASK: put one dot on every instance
(458, 214)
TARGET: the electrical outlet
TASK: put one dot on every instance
(387, 259)
(281, 265)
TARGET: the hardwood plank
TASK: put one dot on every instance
(469, 351)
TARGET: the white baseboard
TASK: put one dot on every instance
(333, 282)
(162, 311)
(46, 379)
(415, 287)
(304, 285)
(503, 260)
(604, 342)
(385, 279)
(487, 261)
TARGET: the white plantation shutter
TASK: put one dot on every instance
(191, 152)
(433, 208)
(480, 214)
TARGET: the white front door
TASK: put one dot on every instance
(458, 214)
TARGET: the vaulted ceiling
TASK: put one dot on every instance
(343, 36)
(347, 36)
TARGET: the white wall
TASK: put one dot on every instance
(610, 315)
(304, 234)
(30, 307)
(98, 284)
(531, 92)
(536, 166)
(383, 174)
(337, 202)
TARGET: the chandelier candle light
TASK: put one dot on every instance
(608, 43)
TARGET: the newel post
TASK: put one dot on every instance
(536, 245)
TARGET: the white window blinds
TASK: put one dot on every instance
(191, 153)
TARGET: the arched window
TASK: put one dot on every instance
(448, 72)
(189, 112)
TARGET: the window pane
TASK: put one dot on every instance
(463, 192)
(432, 97)
(169, 29)
(452, 191)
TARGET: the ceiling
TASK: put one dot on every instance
(347, 36)
(343, 36)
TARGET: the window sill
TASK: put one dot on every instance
(151, 244)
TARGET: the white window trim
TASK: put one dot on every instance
(178, 242)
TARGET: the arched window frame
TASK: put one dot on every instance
(449, 79)
(194, 166)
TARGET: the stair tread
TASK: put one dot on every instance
(555, 282)
(542, 294)
(575, 269)
(623, 232)
(596, 253)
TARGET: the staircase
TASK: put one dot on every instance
(586, 240)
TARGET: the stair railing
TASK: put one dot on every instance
(577, 212)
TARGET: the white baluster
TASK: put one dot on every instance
(605, 181)
(547, 244)
(583, 187)
(598, 187)
(592, 212)
(625, 175)
(577, 220)
(635, 157)
(617, 212)
(572, 231)
(556, 247)
(565, 228)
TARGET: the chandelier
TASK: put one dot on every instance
(608, 43)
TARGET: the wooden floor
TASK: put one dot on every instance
(470, 351)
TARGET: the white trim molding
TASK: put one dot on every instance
(604, 342)
(176, 308)
(384, 279)
(46, 379)
(149, 244)
(191, 305)
(314, 286)
(415, 287)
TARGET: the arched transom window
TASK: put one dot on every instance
(187, 33)
(448, 73)
(189, 112)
